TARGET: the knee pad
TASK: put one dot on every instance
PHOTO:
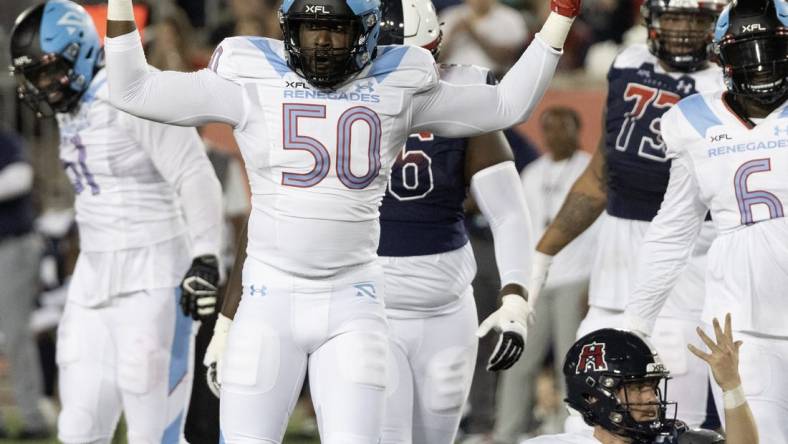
(142, 364)
(77, 425)
(363, 358)
(243, 364)
(449, 375)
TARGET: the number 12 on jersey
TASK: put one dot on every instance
(293, 140)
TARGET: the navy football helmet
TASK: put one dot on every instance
(55, 53)
(680, 31)
(751, 39)
(327, 67)
(602, 363)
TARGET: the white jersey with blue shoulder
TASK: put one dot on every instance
(134, 181)
(737, 171)
(318, 160)
(315, 159)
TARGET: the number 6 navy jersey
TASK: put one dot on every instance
(639, 93)
(422, 209)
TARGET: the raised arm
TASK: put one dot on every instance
(186, 99)
(461, 111)
(723, 359)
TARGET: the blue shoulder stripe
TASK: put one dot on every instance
(698, 113)
(279, 65)
(387, 61)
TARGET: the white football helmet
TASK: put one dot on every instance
(410, 22)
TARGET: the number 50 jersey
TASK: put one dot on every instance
(319, 174)
(639, 93)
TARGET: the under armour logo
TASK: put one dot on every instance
(260, 291)
(361, 87)
(315, 9)
(752, 28)
(684, 86)
(592, 357)
(779, 131)
(365, 289)
(71, 20)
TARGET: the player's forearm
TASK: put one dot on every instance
(234, 288)
(581, 208)
(740, 425)
(201, 200)
(499, 195)
(120, 18)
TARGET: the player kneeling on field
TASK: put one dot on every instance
(617, 382)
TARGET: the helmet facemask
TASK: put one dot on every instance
(48, 85)
(345, 44)
(679, 37)
(757, 66)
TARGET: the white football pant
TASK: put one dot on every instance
(131, 355)
(285, 325)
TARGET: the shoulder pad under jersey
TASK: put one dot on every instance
(466, 75)
(237, 58)
(633, 56)
(403, 66)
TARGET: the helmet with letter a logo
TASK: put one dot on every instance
(599, 367)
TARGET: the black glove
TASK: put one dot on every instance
(198, 288)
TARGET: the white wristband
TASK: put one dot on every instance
(733, 398)
(120, 10)
(555, 30)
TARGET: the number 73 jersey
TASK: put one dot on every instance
(738, 172)
(639, 93)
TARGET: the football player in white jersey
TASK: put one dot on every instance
(626, 180)
(427, 261)
(320, 118)
(617, 382)
(123, 345)
(729, 154)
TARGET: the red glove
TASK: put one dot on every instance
(567, 8)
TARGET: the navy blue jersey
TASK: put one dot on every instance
(422, 210)
(639, 93)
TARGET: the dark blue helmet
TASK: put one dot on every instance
(326, 67)
(602, 363)
(55, 52)
(751, 39)
(680, 31)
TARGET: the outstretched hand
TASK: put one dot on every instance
(724, 356)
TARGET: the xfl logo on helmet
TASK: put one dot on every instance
(592, 357)
(315, 9)
(752, 28)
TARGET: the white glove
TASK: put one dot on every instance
(540, 268)
(215, 352)
(511, 321)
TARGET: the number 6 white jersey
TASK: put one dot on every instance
(739, 172)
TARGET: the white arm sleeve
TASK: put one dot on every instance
(499, 194)
(179, 156)
(462, 111)
(16, 179)
(186, 99)
(667, 246)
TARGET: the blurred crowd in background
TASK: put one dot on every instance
(181, 34)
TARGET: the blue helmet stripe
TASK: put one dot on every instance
(782, 11)
(722, 23)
